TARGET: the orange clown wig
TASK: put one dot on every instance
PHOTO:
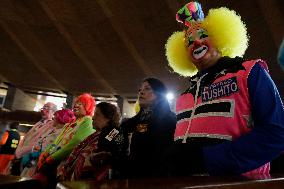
(88, 102)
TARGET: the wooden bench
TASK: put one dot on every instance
(194, 182)
(16, 182)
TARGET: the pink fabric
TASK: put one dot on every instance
(226, 125)
(263, 170)
(233, 125)
(64, 116)
(40, 129)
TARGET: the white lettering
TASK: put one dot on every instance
(234, 87)
(215, 94)
(221, 90)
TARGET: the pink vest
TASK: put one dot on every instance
(216, 113)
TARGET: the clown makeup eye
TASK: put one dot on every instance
(190, 40)
(202, 34)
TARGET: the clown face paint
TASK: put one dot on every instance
(79, 109)
(200, 50)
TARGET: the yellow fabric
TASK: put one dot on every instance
(177, 55)
(226, 31)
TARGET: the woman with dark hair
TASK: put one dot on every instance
(93, 157)
(150, 132)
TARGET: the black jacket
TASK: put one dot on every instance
(11, 144)
(150, 135)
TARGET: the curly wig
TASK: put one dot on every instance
(110, 112)
(88, 102)
(64, 116)
(226, 31)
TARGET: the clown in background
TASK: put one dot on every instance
(70, 136)
(230, 121)
(61, 117)
(38, 130)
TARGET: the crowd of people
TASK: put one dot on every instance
(90, 141)
(230, 120)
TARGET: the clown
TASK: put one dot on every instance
(38, 130)
(61, 117)
(72, 134)
(223, 124)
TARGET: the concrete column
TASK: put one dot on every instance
(9, 99)
(17, 99)
(69, 100)
(120, 103)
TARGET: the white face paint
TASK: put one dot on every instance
(200, 49)
(200, 52)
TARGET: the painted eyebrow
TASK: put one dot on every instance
(190, 38)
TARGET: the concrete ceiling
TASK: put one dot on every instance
(108, 46)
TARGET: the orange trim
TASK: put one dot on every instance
(4, 138)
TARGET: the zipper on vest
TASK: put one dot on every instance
(194, 107)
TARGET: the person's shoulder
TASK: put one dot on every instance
(84, 120)
(38, 123)
(128, 123)
(256, 64)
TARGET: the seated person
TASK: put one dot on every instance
(61, 117)
(93, 157)
(70, 136)
(38, 130)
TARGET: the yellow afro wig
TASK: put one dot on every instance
(226, 31)
(177, 55)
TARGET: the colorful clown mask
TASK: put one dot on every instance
(222, 31)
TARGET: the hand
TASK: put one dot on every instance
(43, 156)
(36, 148)
(39, 165)
(49, 160)
(41, 160)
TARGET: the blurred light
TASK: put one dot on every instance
(170, 96)
(42, 99)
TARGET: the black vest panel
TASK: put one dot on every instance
(11, 144)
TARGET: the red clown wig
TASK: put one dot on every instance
(88, 102)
